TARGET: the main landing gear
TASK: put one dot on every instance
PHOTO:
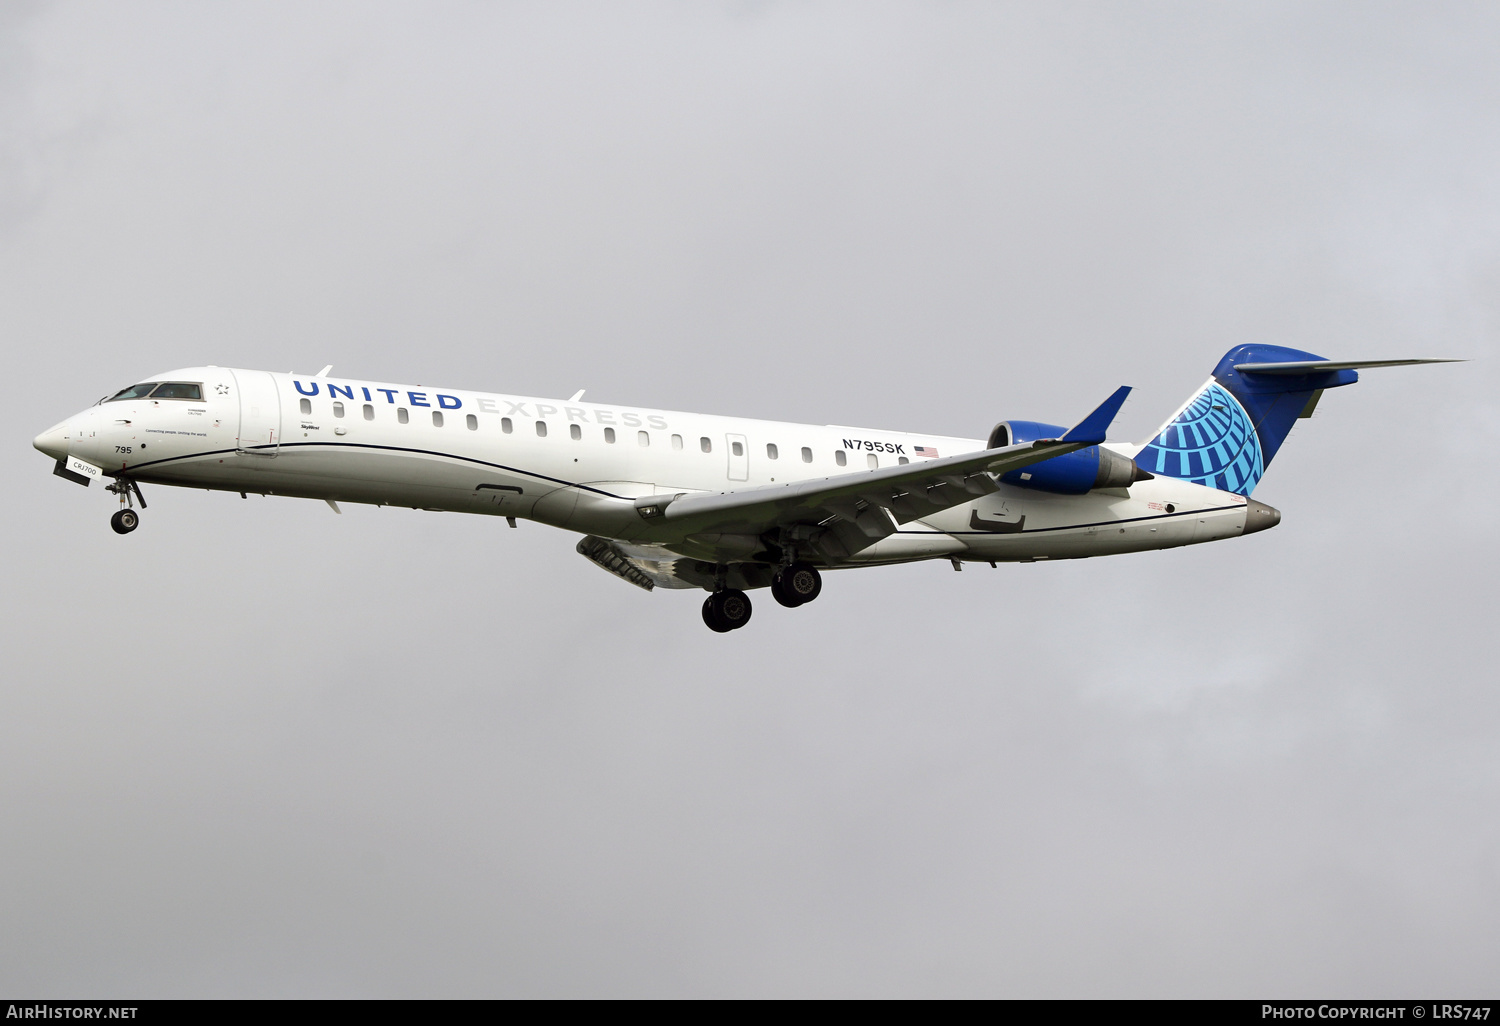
(728, 609)
(796, 584)
(126, 519)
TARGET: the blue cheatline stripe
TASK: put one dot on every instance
(599, 491)
(1102, 523)
(387, 448)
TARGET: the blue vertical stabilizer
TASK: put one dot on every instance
(1227, 434)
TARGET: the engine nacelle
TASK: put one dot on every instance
(1072, 474)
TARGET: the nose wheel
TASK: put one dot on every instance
(125, 521)
(726, 610)
(797, 584)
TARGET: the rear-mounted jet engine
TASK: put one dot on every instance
(1071, 474)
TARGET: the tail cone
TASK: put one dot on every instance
(1260, 517)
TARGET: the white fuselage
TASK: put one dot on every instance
(579, 465)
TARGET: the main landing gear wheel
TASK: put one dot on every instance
(726, 610)
(125, 521)
(796, 584)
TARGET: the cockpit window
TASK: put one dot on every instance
(161, 390)
(134, 392)
(178, 390)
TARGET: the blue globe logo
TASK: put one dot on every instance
(1211, 442)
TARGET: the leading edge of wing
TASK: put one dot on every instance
(910, 491)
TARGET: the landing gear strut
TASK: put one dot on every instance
(126, 519)
(796, 584)
(726, 610)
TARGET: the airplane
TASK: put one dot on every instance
(675, 500)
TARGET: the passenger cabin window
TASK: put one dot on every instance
(306, 407)
(738, 448)
(871, 460)
(771, 451)
(806, 454)
(471, 422)
(902, 460)
(338, 409)
(401, 415)
(437, 419)
(369, 412)
(609, 435)
(706, 445)
(677, 441)
(840, 458)
(575, 431)
(541, 429)
(506, 425)
(643, 438)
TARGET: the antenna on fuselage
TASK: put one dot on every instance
(324, 372)
(577, 395)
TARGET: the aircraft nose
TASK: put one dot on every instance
(1260, 517)
(53, 441)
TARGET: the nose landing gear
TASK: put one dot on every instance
(126, 519)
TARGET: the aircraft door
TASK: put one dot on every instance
(260, 413)
(739, 457)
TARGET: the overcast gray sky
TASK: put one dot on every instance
(256, 749)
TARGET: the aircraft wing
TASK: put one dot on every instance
(862, 507)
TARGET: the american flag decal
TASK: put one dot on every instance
(922, 450)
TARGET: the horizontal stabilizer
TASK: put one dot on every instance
(1090, 430)
(1319, 366)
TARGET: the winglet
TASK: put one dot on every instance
(1090, 430)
